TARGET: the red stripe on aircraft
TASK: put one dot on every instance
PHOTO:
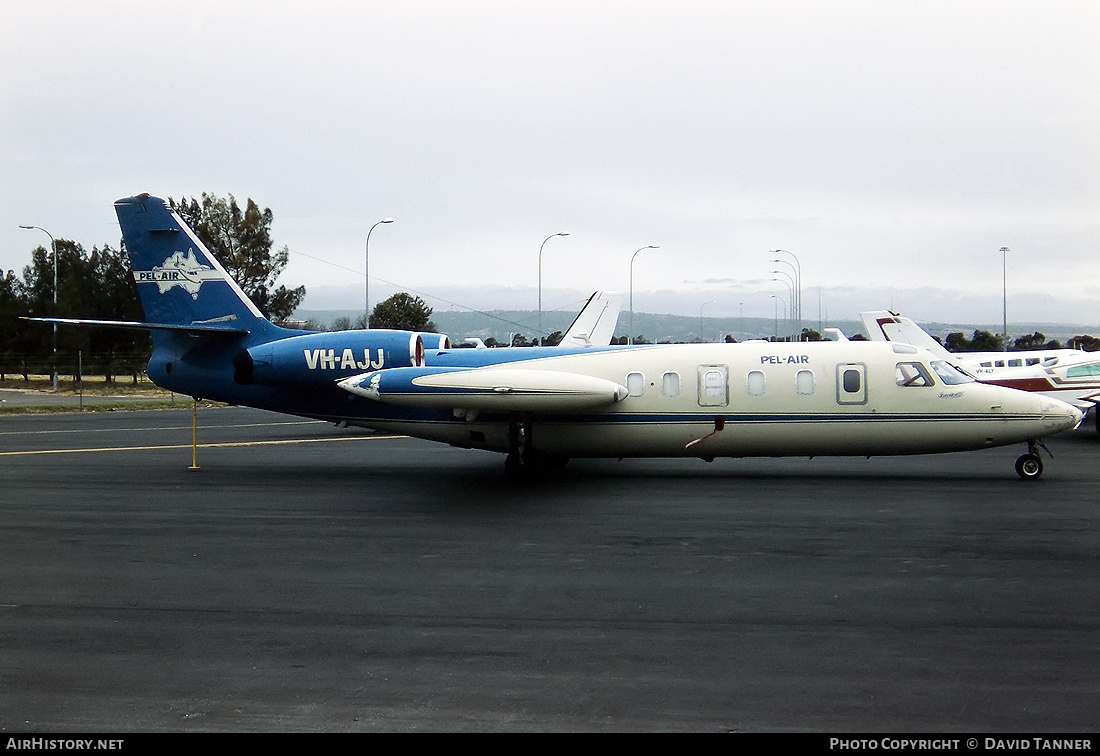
(1023, 384)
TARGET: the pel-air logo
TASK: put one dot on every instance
(327, 359)
(178, 270)
(790, 359)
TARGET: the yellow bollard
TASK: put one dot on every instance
(194, 434)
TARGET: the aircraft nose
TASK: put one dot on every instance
(1061, 415)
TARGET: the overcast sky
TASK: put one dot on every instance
(892, 147)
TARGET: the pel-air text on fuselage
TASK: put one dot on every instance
(542, 405)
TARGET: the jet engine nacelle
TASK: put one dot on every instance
(327, 357)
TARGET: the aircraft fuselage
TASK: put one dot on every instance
(749, 399)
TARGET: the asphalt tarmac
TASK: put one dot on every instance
(307, 578)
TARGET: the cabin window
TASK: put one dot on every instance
(804, 382)
(987, 364)
(756, 383)
(913, 374)
(635, 384)
(999, 363)
(951, 374)
(713, 386)
(1032, 361)
(670, 384)
(851, 381)
(1016, 362)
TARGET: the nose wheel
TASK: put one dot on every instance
(1030, 466)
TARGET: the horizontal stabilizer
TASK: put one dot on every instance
(490, 389)
(196, 329)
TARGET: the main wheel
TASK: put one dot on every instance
(533, 466)
(1029, 466)
(513, 468)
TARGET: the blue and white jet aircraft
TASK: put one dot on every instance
(543, 405)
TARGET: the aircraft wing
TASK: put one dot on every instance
(595, 323)
(491, 389)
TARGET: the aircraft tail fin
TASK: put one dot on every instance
(179, 281)
(884, 325)
(595, 324)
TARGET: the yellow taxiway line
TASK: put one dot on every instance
(224, 445)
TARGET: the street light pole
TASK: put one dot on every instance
(630, 336)
(53, 243)
(796, 305)
(790, 289)
(775, 306)
(711, 301)
(366, 273)
(1004, 312)
(548, 238)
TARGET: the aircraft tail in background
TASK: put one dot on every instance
(884, 325)
(595, 324)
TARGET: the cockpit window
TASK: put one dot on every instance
(913, 374)
(1091, 370)
(950, 374)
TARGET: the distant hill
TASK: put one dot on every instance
(501, 324)
(1063, 332)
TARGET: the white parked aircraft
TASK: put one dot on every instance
(1071, 375)
(712, 400)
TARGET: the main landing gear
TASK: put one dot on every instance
(523, 460)
(1030, 466)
